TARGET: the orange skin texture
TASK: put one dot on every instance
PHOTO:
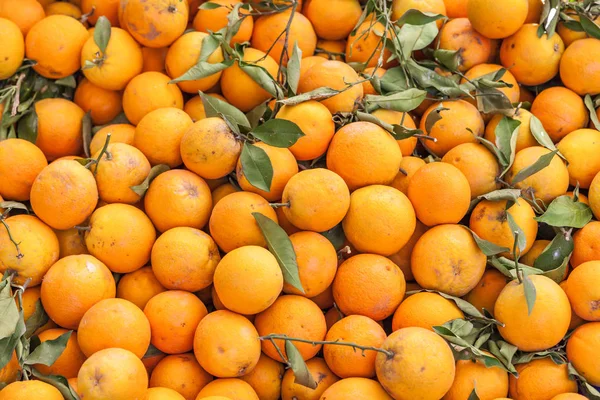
(195, 108)
(491, 383)
(581, 148)
(20, 163)
(71, 359)
(513, 93)
(228, 388)
(215, 19)
(119, 133)
(532, 60)
(485, 294)
(336, 75)
(315, 121)
(446, 258)
(25, 390)
(139, 287)
(456, 8)
(399, 7)
(154, 59)
(232, 224)
(380, 220)
(12, 370)
(294, 316)
(72, 286)
(106, 8)
(582, 351)
(425, 310)
(13, 49)
(226, 330)
(332, 316)
(569, 396)
(324, 299)
(284, 167)
(284, 223)
(322, 375)
(183, 54)
(551, 313)
(24, 13)
(185, 259)
(156, 23)
(120, 168)
(594, 196)
(576, 320)
(56, 43)
(410, 165)
(344, 361)
(266, 378)
(454, 127)
(365, 46)
(328, 47)
(402, 257)
(159, 393)
(123, 60)
(103, 104)
(60, 204)
(59, 128)
(248, 280)
(224, 190)
(114, 323)
(478, 164)
(524, 137)
(308, 62)
(356, 389)
(452, 199)
(583, 292)
(182, 373)
(429, 351)
(474, 48)
(158, 135)
(332, 20)
(541, 379)
(123, 376)
(407, 146)
(586, 244)
(367, 86)
(268, 27)
(30, 298)
(580, 67)
(489, 222)
(210, 149)
(369, 285)
(317, 263)
(497, 20)
(547, 184)
(147, 92)
(363, 154)
(61, 8)
(174, 316)
(561, 111)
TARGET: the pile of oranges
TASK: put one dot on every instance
(299, 200)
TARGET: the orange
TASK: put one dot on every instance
(513, 93)
(71, 242)
(55, 43)
(452, 194)
(458, 35)
(13, 49)
(70, 360)
(85, 279)
(532, 60)
(20, 163)
(489, 383)
(284, 223)
(174, 316)
(569, 396)
(356, 389)
(226, 344)
(380, 220)
(315, 121)
(576, 320)
(182, 373)
(420, 356)
(344, 361)
(59, 203)
(210, 149)
(119, 133)
(541, 379)
(12, 371)
(322, 375)
(335, 75)
(106, 8)
(484, 295)
(267, 37)
(400, 7)
(154, 59)
(446, 258)
(115, 374)
(456, 8)
(534, 11)
(582, 351)
(583, 290)
(331, 49)
(407, 146)
(308, 62)
(561, 111)
(408, 166)
(332, 316)
(332, 20)
(217, 18)
(147, 92)
(159, 393)
(365, 46)
(497, 20)
(402, 257)
(63, 8)
(524, 136)
(232, 224)
(594, 196)
(294, 316)
(194, 107)
(490, 222)
(228, 388)
(478, 164)
(582, 198)
(586, 245)
(367, 86)
(369, 285)
(579, 67)
(26, 390)
(24, 13)
(266, 378)
(183, 55)
(103, 105)
(59, 128)
(324, 299)
(569, 36)
(579, 148)
(547, 184)
(551, 313)
(154, 23)
(425, 310)
(139, 286)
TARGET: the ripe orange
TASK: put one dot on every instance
(513, 93)
(106, 8)
(541, 379)
(24, 13)
(368, 87)
(582, 351)
(458, 35)
(579, 69)
(119, 133)
(59, 128)
(594, 196)
(489, 383)
(399, 7)
(194, 107)
(356, 389)
(12, 371)
(484, 295)
(154, 59)
(322, 375)
(332, 20)
(583, 291)
(586, 247)
(103, 105)
(227, 388)
(154, 23)
(63, 8)
(478, 164)
(365, 45)
(408, 166)
(524, 136)
(402, 257)
(217, 18)
(579, 148)
(456, 8)
(13, 50)
(182, 373)
(159, 393)
(425, 310)
(26, 390)
(266, 378)
(71, 359)
(407, 146)
(560, 110)
(20, 163)
(139, 286)
(497, 20)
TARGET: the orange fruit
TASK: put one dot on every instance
(59, 128)
(194, 107)
(402, 257)
(560, 110)
(497, 20)
(139, 286)
(569, 396)
(154, 23)
(569, 36)
(86, 280)
(478, 164)
(217, 18)
(13, 49)
(154, 59)
(484, 295)
(103, 105)
(174, 316)
(369, 285)
(331, 49)
(356, 389)
(266, 378)
(227, 388)
(576, 320)
(30, 298)
(594, 196)
(512, 92)
(24, 13)
(322, 375)
(541, 379)
(12, 371)
(586, 248)
(26, 390)
(582, 290)
(538, 248)
(182, 373)
(119, 133)
(534, 11)
(489, 383)
(159, 393)
(425, 310)
(106, 8)
(307, 63)
(324, 299)
(367, 86)
(579, 148)
(524, 136)
(365, 45)
(407, 146)
(582, 351)
(458, 35)
(579, 70)
(63, 8)
(332, 20)
(20, 163)
(408, 166)
(70, 360)
(456, 8)
(400, 7)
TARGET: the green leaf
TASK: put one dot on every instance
(517, 232)
(86, 132)
(59, 382)
(281, 247)
(278, 133)
(47, 352)
(263, 78)
(201, 70)
(549, 20)
(38, 319)
(589, 103)
(394, 80)
(234, 22)
(398, 131)
(540, 134)
(504, 352)
(9, 343)
(507, 267)
(589, 26)
(257, 167)
(448, 58)
(142, 188)
(102, 33)
(534, 168)
(14, 204)
(488, 248)
(302, 375)
(9, 314)
(415, 37)
(433, 117)
(554, 255)
(68, 81)
(214, 107)
(321, 93)
(564, 212)
(209, 44)
(209, 6)
(505, 130)
(404, 101)
(261, 111)
(465, 306)
(502, 194)
(152, 351)
(416, 17)
(28, 126)
(336, 236)
(427, 78)
(293, 68)
(490, 100)
(530, 293)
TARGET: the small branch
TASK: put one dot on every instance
(17, 99)
(273, 336)
(97, 162)
(277, 205)
(83, 228)
(280, 352)
(519, 272)
(426, 137)
(19, 254)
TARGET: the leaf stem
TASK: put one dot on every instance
(277, 205)
(514, 251)
(274, 336)
(19, 254)
(102, 152)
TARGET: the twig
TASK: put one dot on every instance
(17, 99)
(278, 205)
(19, 254)
(273, 336)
